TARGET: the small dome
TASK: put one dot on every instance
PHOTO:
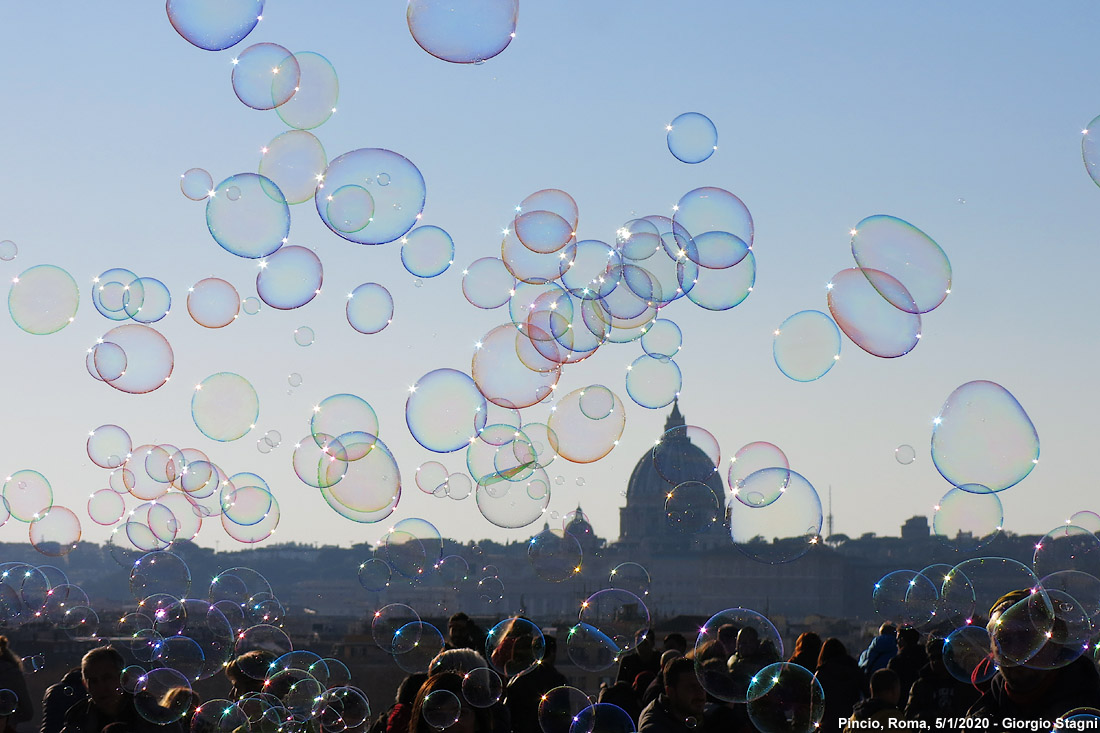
(577, 523)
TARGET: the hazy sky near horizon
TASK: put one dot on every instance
(963, 120)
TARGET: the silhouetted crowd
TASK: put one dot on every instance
(900, 676)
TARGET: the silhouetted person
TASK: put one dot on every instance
(470, 719)
(525, 691)
(463, 633)
(622, 695)
(59, 698)
(107, 702)
(517, 649)
(181, 697)
(396, 718)
(807, 648)
(909, 660)
(657, 686)
(456, 660)
(768, 652)
(1027, 694)
(11, 678)
(241, 670)
(882, 706)
(936, 695)
(642, 683)
(880, 651)
(676, 641)
(842, 682)
(644, 657)
(749, 658)
(727, 637)
(679, 709)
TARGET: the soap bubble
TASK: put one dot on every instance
(692, 137)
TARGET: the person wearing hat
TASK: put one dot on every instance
(1019, 692)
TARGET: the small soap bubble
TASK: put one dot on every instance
(196, 184)
(8, 250)
(294, 380)
(303, 336)
(905, 454)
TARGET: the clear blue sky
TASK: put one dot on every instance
(826, 113)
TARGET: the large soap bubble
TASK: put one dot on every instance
(579, 438)
(43, 300)
(781, 530)
(225, 406)
(806, 346)
(392, 184)
(445, 410)
(214, 25)
(248, 215)
(463, 32)
(786, 698)
(1090, 150)
(969, 517)
(148, 358)
(886, 244)
(743, 637)
(265, 76)
(983, 436)
(290, 278)
(369, 308)
(692, 137)
(314, 100)
(871, 321)
(295, 162)
(427, 251)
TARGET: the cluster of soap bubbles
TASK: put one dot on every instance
(272, 439)
(366, 196)
(344, 458)
(28, 497)
(43, 300)
(773, 513)
(33, 593)
(900, 274)
(171, 491)
(171, 640)
(1052, 623)
(565, 298)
